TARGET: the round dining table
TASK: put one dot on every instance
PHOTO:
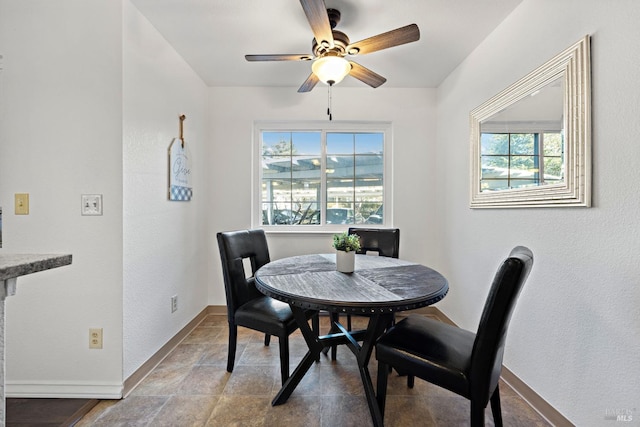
(377, 288)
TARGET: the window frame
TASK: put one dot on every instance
(320, 126)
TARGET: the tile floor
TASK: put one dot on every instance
(191, 387)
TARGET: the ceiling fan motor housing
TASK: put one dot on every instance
(340, 42)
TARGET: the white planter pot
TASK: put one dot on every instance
(345, 261)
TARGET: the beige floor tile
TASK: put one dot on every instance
(298, 411)
(239, 411)
(204, 380)
(216, 354)
(185, 411)
(186, 354)
(345, 411)
(132, 411)
(252, 381)
(405, 410)
(163, 381)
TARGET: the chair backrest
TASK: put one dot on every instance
(235, 246)
(385, 241)
(488, 348)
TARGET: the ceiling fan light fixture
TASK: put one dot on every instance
(331, 69)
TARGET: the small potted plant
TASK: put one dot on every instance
(346, 246)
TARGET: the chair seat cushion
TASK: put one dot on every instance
(268, 315)
(431, 350)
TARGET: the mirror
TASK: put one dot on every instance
(531, 143)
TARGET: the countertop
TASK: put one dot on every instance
(16, 265)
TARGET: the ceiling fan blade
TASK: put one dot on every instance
(366, 75)
(402, 35)
(290, 57)
(316, 12)
(309, 84)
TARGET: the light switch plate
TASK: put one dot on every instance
(22, 203)
(92, 204)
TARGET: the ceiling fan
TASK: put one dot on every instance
(330, 47)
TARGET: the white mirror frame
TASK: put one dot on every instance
(574, 64)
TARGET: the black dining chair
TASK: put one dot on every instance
(458, 360)
(384, 241)
(246, 305)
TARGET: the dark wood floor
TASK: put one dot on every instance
(46, 412)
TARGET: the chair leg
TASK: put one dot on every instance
(383, 373)
(477, 414)
(233, 337)
(267, 340)
(411, 380)
(495, 408)
(348, 322)
(284, 358)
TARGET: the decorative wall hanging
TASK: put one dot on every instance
(179, 168)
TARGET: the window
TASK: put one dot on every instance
(518, 160)
(322, 178)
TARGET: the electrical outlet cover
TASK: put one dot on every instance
(92, 204)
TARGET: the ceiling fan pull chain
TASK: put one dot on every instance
(329, 102)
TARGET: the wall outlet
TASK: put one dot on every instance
(95, 338)
(174, 303)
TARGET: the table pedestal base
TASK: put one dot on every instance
(377, 325)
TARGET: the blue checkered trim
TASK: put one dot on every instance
(181, 194)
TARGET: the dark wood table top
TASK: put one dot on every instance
(378, 284)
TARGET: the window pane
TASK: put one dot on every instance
(553, 143)
(276, 143)
(494, 143)
(517, 183)
(494, 184)
(276, 167)
(306, 143)
(368, 166)
(524, 164)
(522, 143)
(553, 169)
(276, 190)
(340, 143)
(340, 167)
(369, 143)
(375, 216)
(492, 165)
(277, 214)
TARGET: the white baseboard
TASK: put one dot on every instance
(63, 389)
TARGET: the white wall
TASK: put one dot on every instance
(575, 333)
(233, 110)
(165, 243)
(60, 137)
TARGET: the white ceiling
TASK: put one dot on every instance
(214, 35)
